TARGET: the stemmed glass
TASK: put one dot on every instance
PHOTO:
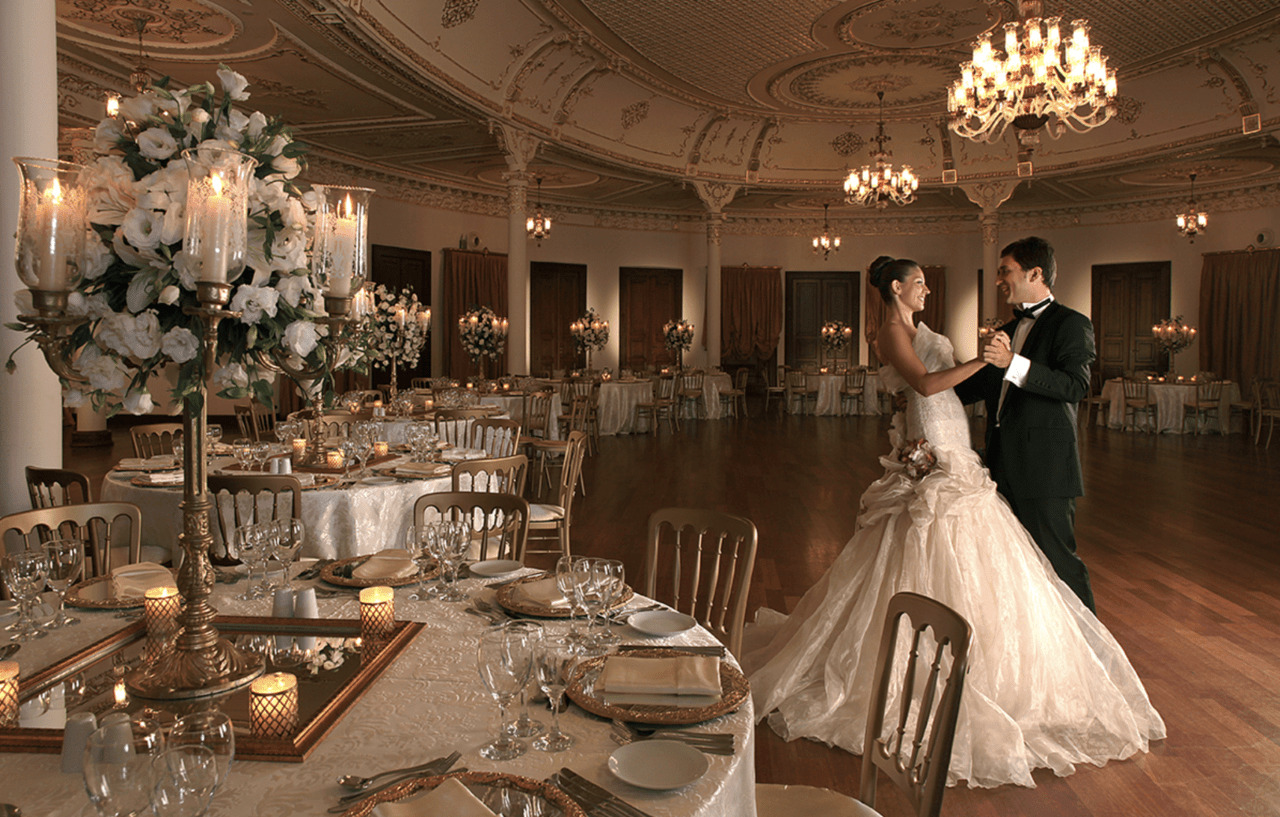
(177, 444)
(566, 583)
(505, 659)
(286, 544)
(184, 781)
(212, 434)
(363, 447)
(117, 766)
(259, 453)
(65, 559)
(24, 574)
(211, 729)
(586, 593)
(455, 541)
(526, 726)
(243, 452)
(421, 542)
(553, 661)
(251, 547)
(610, 577)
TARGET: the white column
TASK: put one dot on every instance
(714, 220)
(990, 261)
(30, 399)
(517, 272)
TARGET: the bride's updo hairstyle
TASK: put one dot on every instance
(885, 270)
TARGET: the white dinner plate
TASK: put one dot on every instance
(493, 568)
(378, 480)
(658, 764)
(661, 622)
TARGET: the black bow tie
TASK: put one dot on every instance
(1019, 314)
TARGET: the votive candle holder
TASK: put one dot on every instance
(381, 448)
(273, 706)
(334, 459)
(9, 693)
(377, 613)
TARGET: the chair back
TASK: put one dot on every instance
(246, 499)
(855, 380)
(1135, 390)
(497, 437)
(154, 438)
(665, 387)
(797, 380)
(913, 746)
(256, 421)
(244, 419)
(579, 410)
(691, 383)
(500, 475)
(1208, 394)
(700, 562)
(106, 528)
(498, 521)
(419, 383)
(454, 425)
(50, 487)
(537, 414)
(574, 452)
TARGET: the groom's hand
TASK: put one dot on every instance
(998, 351)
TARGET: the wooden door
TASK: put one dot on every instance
(398, 268)
(1128, 299)
(557, 297)
(813, 298)
(649, 298)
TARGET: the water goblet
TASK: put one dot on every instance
(184, 778)
(525, 725)
(565, 583)
(24, 574)
(117, 766)
(553, 662)
(260, 452)
(211, 729)
(212, 434)
(65, 560)
(454, 544)
(586, 591)
(243, 452)
(611, 581)
(420, 541)
(287, 544)
(251, 547)
(505, 661)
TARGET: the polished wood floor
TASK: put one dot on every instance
(1180, 534)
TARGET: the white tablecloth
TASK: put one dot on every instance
(1170, 398)
(829, 401)
(428, 703)
(512, 406)
(713, 384)
(618, 404)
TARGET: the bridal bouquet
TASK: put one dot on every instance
(483, 333)
(836, 335)
(678, 335)
(918, 457)
(137, 280)
(394, 329)
(590, 332)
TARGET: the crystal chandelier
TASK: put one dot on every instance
(1193, 222)
(882, 184)
(826, 243)
(538, 226)
(1038, 79)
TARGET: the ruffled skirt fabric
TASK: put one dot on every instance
(1048, 686)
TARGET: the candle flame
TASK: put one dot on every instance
(121, 695)
(348, 207)
(54, 193)
(216, 181)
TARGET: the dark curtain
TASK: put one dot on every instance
(934, 314)
(471, 279)
(1239, 313)
(750, 311)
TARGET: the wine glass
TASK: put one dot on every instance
(420, 541)
(117, 766)
(504, 659)
(455, 543)
(211, 729)
(243, 452)
(24, 574)
(587, 595)
(64, 559)
(184, 781)
(553, 661)
(610, 576)
(212, 434)
(251, 547)
(565, 582)
(287, 544)
(259, 452)
(525, 725)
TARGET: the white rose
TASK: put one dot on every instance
(187, 268)
(233, 84)
(286, 165)
(311, 200)
(301, 337)
(230, 376)
(107, 135)
(289, 251)
(96, 255)
(73, 398)
(157, 143)
(271, 193)
(142, 228)
(128, 335)
(180, 344)
(293, 215)
(138, 402)
(195, 126)
(103, 371)
(256, 124)
(253, 302)
(138, 108)
(169, 295)
(293, 287)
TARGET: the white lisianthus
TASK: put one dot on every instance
(289, 251)
(293, 215)
(234, 84)
(187, 268)
(254, 302)
(92, 307)
(97, 257)
(135, 336)
(138, 402)
(301, 337)
(169, 295)
(231, 376)
(104, 372)
(270, 193)
(142, 228)
(293, 287)
(288, 166)
(138, 108)
(195, 127)
(107, 136)
(257, 121)
(73, 398)
(157, 143)
(180, 344)
(26, 304)
(170, 180)
(174, 225)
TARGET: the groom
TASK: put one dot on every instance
(1038, 373)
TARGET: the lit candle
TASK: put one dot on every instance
(380, 448)
(424, 319)
(8, 693)
(333, 459)
(506, 386)
(345, 232)
(273, 706)
(113, 105)
(377, 613)
(121, 694)
(401, 317)
(215, 213)
(161, 606)
(299, 449)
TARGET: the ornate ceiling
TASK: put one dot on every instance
(642, 111)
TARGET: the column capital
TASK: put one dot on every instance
(715, 195)
(991, 194)
(714, 221)
(518, 146)
(990, 222)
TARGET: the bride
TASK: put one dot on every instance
(1048, 686)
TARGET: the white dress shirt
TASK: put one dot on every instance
(1020, 366)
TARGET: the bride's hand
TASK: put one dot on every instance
(998, 351)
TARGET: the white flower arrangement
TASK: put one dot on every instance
(590, 332)
(836, 335)
(678, 335)
(390, 335)
(483, 333)
(137, 280)
(330, 654)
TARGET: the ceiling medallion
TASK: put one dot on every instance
(1192, 222)
(880, 185)
(1039, 79)
(826, 243)
(538, 226)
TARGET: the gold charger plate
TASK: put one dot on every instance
(513, 600)
(546, 799)
(95, 594)
(735, 689)
(322, 481)
(336, 573)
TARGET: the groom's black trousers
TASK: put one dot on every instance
(1051, 523)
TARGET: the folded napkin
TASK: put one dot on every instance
(426, 469)
(674, 675)
(163, 478)
(139, 463)
(132, 581)
(544, 592)
(386, 564)
(449, 799)
(462, 454)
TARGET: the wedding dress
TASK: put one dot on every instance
(1048, 686)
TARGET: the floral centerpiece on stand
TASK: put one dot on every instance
(483, 335)
(1173, 335)
(590, 333)
(395, 330)
(836, 335)
(137, 281)
(678, 337)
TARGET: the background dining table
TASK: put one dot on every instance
(1169, 398)
(429, 702)
(829, 401)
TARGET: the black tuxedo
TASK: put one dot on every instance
(1031, 447)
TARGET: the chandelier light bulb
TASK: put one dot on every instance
(1193, 222)
(826, 243)
(881, 185)
(538, 226)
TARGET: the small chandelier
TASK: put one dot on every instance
(1038, 79)
(1193, 222)
(140, 79)
(826, 243)
(882, 184)
(538, 226)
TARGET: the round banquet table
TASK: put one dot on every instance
(341, 522)
(830, 402)
(429, 702)
(1169, 399)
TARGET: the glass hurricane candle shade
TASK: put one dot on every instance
(8, 693)
(273, 706)
(341, 238)
(52, 220)
(215, 238)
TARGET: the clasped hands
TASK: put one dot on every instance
(998, 351)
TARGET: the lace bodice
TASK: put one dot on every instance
(940, 418)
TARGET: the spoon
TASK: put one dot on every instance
(357, 783)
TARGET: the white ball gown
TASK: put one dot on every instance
(1048, 686)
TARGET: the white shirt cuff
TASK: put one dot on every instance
(1018, 370)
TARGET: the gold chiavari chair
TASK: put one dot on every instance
(50, 487)
(154, 438)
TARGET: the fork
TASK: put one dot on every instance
(439, 766)
(705, 742)
(607, 804)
